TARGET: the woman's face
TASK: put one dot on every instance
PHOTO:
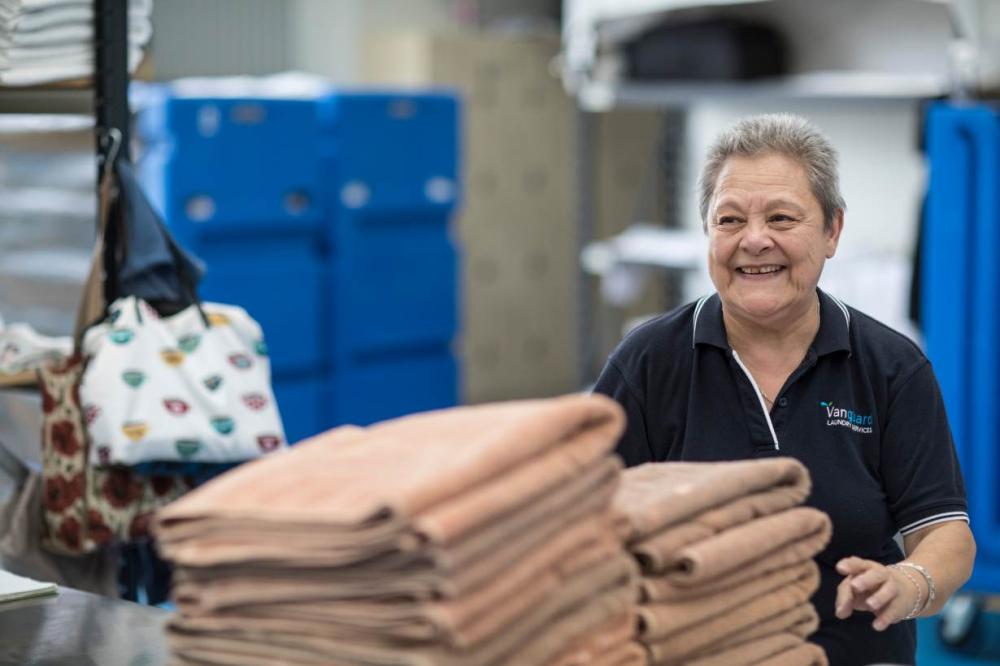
(766, 238)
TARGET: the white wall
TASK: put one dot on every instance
(326, 34)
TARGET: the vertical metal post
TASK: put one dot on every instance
(585, 205)
(111, 74)
(111, 111)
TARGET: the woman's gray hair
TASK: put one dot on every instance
(783, 134)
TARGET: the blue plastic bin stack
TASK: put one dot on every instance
(390, 165)
(328, 220)
(961, 305)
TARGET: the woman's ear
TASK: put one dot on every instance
(833, 233)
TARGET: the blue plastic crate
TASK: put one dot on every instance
(396, 292)
(283, 284)
(391, 162)
(961, 305)
(393, 386)
(304, 404)
(390, 151)
(219, 165)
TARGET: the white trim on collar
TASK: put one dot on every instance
(760, 399)
(697, 312)
(843, 308)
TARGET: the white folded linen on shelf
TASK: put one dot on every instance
(44, 41)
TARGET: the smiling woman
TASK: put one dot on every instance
(771, 365)
(768, 240)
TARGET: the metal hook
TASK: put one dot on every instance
(115, 135)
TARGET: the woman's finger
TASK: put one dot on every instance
(851, 565)
(893, 612)
(869, 581)
(844, 604)
(884, 595)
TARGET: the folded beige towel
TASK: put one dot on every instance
(585, 620)
(747, 654)
(478, 559)
(709, 523)
(656, 495)
(364, 485)
(611, 581)
(693, 641)
(229, 546)
(781, 632)
(537, 652)
(806, 654)
(659, 588)
(801, 621)
(738, 547)
(617, 632)
(462, 622)
(665, 618)
(623, 654)
(630, 654)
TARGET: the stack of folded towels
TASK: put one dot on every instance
(473, 536)
(42, 41)
(726, 556)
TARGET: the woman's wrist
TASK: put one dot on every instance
(919, 603)
(928, 581)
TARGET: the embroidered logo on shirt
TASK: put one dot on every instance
(847, 418)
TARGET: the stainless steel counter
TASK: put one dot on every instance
(21, 425)
(20, 438)
(81, 629)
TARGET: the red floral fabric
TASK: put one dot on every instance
(85, 507)
(64, 439)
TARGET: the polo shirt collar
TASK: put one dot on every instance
(834, 324)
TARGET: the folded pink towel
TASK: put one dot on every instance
(665, 618)
(466, 620)
(600, 642)
(708, 523)
(657, 495)
(364, 485)
(784, 648)
(591, 597)
(707, 636)
(435, 572)
(659, 588)
(807, 654)
(738, 547)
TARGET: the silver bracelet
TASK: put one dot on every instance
(931, 592)
(918, 605)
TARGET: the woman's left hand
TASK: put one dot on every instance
(874, 587)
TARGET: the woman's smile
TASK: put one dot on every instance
(760, 273)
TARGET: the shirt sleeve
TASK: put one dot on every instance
(919, 466)
(634, 446)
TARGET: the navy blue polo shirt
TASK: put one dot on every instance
(863, 412)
